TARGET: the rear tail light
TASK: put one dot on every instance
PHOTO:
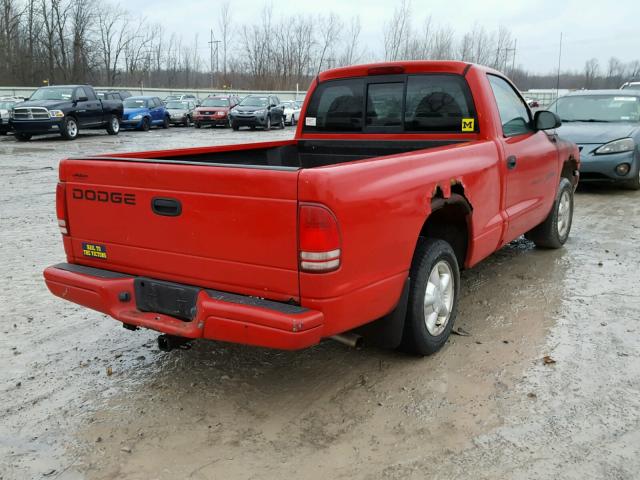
(319, 239)
(61, 208)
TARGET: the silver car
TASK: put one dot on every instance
(6, 104)
(181, 112)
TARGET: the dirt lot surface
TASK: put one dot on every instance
(486, 407)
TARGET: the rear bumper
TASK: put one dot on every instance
(220, 316)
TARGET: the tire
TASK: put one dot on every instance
(281, 124)
(69, 129)
(434, 272)
(635, 183)
(229, 123)
(197, 125)
(293, 120)
(188, 124)
(267, 126)
(165, 122)
(3, 133)
(554, 231)
(22, 137)
(113, 125)
(235, 126)
(146, 124)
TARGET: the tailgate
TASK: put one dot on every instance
(226, 228)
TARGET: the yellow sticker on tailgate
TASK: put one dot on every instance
(468, 124)
(94, 250)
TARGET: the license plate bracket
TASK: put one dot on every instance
(168, 298)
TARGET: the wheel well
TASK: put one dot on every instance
(449, 222)
(569, 168)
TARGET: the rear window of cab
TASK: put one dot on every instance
(435, 103)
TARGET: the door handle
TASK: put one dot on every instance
(511, 162)
(167, 207)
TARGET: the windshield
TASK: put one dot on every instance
(172, 97)
(131, 103)
(255, 102)
(215, 102)
(178, 105)
(597, 108)
(52, 93)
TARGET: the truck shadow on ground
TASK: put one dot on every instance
(224, 397)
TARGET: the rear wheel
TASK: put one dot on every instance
(554, 231)
(69, 129)
(433, 297)
(113, 126)
(22, 137)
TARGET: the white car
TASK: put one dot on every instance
(6, 104)
(291, 111)
(634, 85)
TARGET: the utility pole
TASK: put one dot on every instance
(213, 42)
(559, 60)
(513, 61)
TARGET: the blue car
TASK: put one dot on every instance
(142, 113)
(605, 124)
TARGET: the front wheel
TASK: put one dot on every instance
(293, 120)
(635, 183)
(69, 129)
(433, 297)
(554, 231)
(22, 137)
(146, 124)
(165, 122)
(281, 124)
(113, 126)
(267, 126)
(235, 126)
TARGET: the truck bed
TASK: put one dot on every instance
(286, 155)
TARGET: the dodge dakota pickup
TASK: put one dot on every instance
(399, 175)
(65, 110)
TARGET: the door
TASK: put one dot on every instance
(88, 108)
(157, 111)
(530, 162)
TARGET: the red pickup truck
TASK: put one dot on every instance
(399, 175)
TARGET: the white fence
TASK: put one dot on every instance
(163, 92)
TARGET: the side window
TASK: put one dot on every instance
(514, 114)
(336, 106)
(80, 93)
(438, 103)
(384, 104)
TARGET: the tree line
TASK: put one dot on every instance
(100, 42)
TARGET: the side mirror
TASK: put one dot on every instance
(546, 120)
(83, 99)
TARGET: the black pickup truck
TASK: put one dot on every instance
(65, 109)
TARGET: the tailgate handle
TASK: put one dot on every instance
(168, 207)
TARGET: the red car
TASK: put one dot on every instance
(214, 111)
(399, 176)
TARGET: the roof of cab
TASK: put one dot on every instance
(616, 92)
(412, 66)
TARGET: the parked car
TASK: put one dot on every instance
(181, 97)
(144, 112)
(633, 85)
(181, 112)
(214, 110)
(257, 111)
(606, 126)
(291, 111)
(65, 109)
(112, 94)
(532, 102)
(6, 104)
(400, 175)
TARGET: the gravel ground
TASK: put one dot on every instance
(487, 406)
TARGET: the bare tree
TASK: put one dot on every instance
(397, 32)
(591, 72)
(225, 27)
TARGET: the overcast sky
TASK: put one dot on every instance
(590, 28)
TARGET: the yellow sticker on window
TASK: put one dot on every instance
(468, 124)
